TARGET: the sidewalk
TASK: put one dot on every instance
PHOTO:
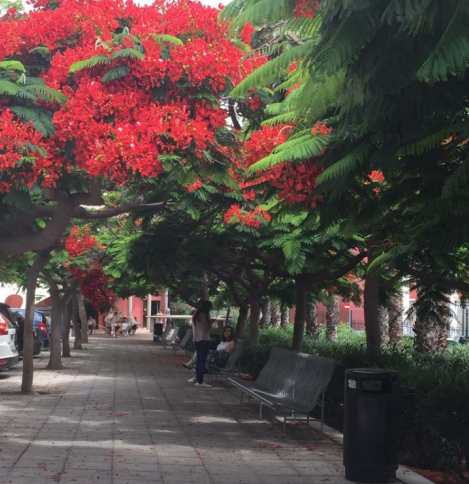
(123, 413)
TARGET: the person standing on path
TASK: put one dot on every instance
(201, 324)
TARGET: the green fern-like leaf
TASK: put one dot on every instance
(40, 50)
(459, 178)
(89, 63)
(12, 65)
(234, 8)
(264, 11)
(8, 88)
(347, 164)
(348, 38)
(430, 142)
(170, 39)
(41, 119)
(299, 76)
(134, 53)
(280, 119)
(302, 150)
(46, 93)
(317, 97)
(451, 54)
(295, 266)
(116, 73)
(270, 71)
(29, 81)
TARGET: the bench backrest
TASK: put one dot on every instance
(298, 377)
(170, 338)
(187, 337)
(240, 348)
(166, 331)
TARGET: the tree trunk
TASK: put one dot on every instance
(76, 323)
(275, 314)
(312, 323)
(55, 357)
(83, 318)
(396, 319)
(28, 337)
(241, 323)
(66, 330)
(370, 304)
(383, 316)
(432, 318)
(254, 318)
(266, 313)
(301, 289)
(285, 315)
(332, 318)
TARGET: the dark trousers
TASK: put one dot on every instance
(202, 349)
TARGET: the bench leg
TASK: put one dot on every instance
(285, 423)
(307, 419)
(322, 411)
(260, 409)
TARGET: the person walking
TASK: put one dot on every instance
(201, 324)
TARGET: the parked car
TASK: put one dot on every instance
(39, 322)
(8, 351)
(38, 344)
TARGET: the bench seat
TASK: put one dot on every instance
(290, 383)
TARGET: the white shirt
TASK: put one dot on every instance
(222, 346)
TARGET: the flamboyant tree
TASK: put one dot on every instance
(98, 94)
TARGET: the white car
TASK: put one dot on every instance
(8, 351)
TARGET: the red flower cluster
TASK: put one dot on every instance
(24, 155)
(93, 286)
(253, 218)
(79, 241)
(306, 8)
(247, 33)
(156, 104)
(376, 176)
(321, 129)
(294, 182)
(93, 281)
(194, 186)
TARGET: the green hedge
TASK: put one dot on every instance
(435, 390)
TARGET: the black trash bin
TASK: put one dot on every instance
(371, 425)
(157, 331)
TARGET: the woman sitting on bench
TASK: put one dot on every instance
(221, 354)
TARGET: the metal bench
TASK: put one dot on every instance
(164, 334)
(171, 337)
(231, 365)
(290, 384)
(184, 342)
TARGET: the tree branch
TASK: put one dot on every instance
(82, 213)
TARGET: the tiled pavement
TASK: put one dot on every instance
(123, 413)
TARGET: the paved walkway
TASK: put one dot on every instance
(123, 413)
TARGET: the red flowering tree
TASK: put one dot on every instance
(105, 93)
(88, 270)
(101, 94)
